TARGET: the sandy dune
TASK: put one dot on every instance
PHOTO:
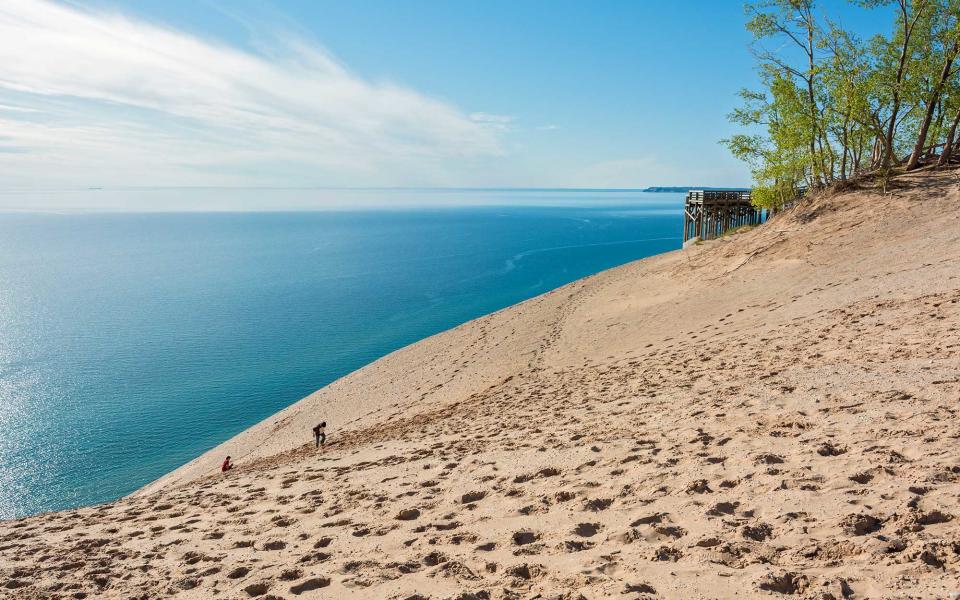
(772, 414)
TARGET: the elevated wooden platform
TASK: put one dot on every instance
(707, 214)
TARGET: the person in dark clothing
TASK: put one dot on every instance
(319, 433)
(226, 466)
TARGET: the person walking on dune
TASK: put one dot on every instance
(319, 433)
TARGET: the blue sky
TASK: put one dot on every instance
(373, 93)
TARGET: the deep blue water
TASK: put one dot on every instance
(131, 343)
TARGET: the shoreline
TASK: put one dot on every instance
(768, 414)
(331, 320)
(252, 442)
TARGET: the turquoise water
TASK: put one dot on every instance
(131, 343)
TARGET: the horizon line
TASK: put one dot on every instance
(364, 188)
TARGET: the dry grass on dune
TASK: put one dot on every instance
(773, 414)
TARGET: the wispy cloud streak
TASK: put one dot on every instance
(101, 98)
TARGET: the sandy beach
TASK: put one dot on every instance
(770, 414)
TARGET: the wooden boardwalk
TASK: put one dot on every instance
(708, 214)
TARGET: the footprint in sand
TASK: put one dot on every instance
(576, 545)
(723, 508)
(524, 537)
(587, 529)
(257, 589)
(314, 583)
(408, 514)
(758, 532)
(471, 497)
(597, 504)
(238, 573)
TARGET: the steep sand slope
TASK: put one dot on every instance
(773, 414)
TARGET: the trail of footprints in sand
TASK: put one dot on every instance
(585, 482)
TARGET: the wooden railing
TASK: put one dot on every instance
(719, 196)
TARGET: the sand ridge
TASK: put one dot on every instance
(772, 414)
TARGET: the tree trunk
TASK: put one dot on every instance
(857, 156)
(948, 146)
(846, 148)
(901, 71)
(832, 157)
(938, 130)
(917, 153)
(877, 157)
(887, 161)
(814, 129)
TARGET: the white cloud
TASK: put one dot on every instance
(95, 98)
(481, 117)
(495, 122)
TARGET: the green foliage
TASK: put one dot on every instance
(834, 107)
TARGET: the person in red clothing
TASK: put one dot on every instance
(227, 465)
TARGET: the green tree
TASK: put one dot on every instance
(847, 110)
(891, 76)
(791, 23)
(833, 107)
(942, 28)
(779, 160)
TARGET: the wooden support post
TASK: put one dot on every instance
(709, 214)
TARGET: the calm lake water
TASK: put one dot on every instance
(132, 342)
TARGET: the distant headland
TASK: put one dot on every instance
(684, 189)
